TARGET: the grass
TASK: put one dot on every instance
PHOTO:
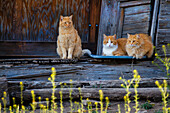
(147, 106)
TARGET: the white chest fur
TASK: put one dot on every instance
(108, 50)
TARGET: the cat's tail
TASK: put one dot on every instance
(86, 52)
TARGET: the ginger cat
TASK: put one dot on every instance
(113, 46)
(69, 42)
(139, 45)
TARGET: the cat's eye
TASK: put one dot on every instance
(111, 41)
(65, 22)
(69, 22)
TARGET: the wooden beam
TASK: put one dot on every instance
(134, 3)
(31, 49)
(93, 93)
(144, 83)
(154, 20)
(58, 72)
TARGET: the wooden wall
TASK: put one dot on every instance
(163, 31)
(35, 21)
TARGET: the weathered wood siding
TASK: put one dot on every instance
(6, 15)
(136, 20)
(163, 31)
(33, 20)
(30, 22)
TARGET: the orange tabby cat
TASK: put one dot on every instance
(113, 46)
(69, 42)
(139, 45)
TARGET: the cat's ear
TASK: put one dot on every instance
(128, 35)
(114, 36)
(71, 17)
(104, 36)
(61, 18)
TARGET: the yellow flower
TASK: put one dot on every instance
(107, 98)
(23, 107)
(135, 71)
(165, 82)
(32, 91)
(4, 93)
(53, 69)
(120, 78)
(157, 83)
(49, 79)
(21, 83)
(71, 80)
(14, 105)
(163, 46)
(125, 97)
(135, 76)
(47, 99)
(138, 76)
(65, 84)
(2, 98)
(96, 103)
(128, 81)
(52, 76)
(39, 98)
(122, 85)
(156, 54)
(10, 108)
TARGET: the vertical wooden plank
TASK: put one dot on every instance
(17, 20)
(6, 14)
(108, 21)
(154, 20)
(120, 26)
(95, 6)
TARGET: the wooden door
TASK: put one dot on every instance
(30, 27)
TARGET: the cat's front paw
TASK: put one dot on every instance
(64, 57)
(140, 57)
(70, 57)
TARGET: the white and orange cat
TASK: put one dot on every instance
(68, 43)
(113, 46)
(139, 45)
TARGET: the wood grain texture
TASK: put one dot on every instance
(6, 15)
(36, 21)
(108, 21)
(33, 49)
(28, 49)
(116, 94)
(135, 3)
(95, 7)
(163, 29)
(136, 20)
